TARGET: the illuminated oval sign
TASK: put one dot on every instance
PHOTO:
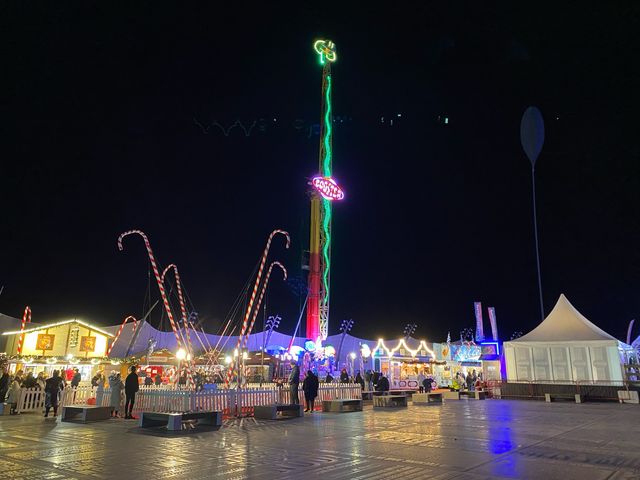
(328, 188)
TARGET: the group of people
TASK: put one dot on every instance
(472, 381)
(53, 386)
(310, 386)
(120, 391)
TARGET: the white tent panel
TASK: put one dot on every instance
(565, 347)
(560, 363)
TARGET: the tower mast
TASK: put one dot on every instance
(321, 207)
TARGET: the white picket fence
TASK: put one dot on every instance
(158, 399)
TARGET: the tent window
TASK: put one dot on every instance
(600, 363)
(541, 364)
(523, 364)
(560, 363)
(580, 362)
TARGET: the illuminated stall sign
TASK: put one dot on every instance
(88, 344)
(45, 341)
(328, 188)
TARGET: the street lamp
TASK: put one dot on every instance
(409, 329)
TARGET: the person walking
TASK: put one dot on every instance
(53, 387)
(310, 387)
(131, 386)
(116, 385)
(294, 382)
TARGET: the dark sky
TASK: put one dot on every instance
(99, 135)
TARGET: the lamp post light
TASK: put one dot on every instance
(345, 328)
(409, 329)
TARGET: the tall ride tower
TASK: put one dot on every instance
(326, 190)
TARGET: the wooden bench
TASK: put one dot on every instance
(174, 421)
(85, 413)
(342, 405)
(427, 398)
(476, 394)
(368, 394)
(5, 408)
(390, 401)
(449, 395)
(270, 412)
(550, 397)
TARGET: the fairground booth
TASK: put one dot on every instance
(60, 346)
(404, 361)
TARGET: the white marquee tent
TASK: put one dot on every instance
(565, 347)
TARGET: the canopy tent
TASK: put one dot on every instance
(565, 348)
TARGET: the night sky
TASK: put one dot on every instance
(113, 119)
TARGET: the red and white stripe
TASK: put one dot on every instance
(245, 322)
(135, 322)
(156, 273)
(26, 318)
(183, 311)
(264, 289)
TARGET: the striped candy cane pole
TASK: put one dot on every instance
(264, 289)
(183, 311)
(163, 294)
(26, 318)
(253, 297)
(135, 322)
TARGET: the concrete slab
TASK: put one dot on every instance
(460, 440)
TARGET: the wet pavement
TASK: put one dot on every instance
(462, 440)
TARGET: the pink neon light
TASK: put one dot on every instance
(328, 188)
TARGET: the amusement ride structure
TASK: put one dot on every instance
(325, 191)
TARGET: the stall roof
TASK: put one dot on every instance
(565, 323)
(57, 324)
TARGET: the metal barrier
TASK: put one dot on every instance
(597, 390)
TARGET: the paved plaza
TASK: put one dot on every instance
(463, 440)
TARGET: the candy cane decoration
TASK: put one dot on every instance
(183, 312)
(253, 295)
(26, 318)
(135, 323)
(264, 289)
(163, 294)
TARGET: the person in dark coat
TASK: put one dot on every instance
(294, 381)
(29, 381)
(360, 380)
(131, 386)
(383, 384)
(310, 387)
(374, 379)
(148, 381)
(344, 376)
(427, 384)
(5, 380)
(77, 377)
(52, 389)
(328, 378)
(158, 380)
